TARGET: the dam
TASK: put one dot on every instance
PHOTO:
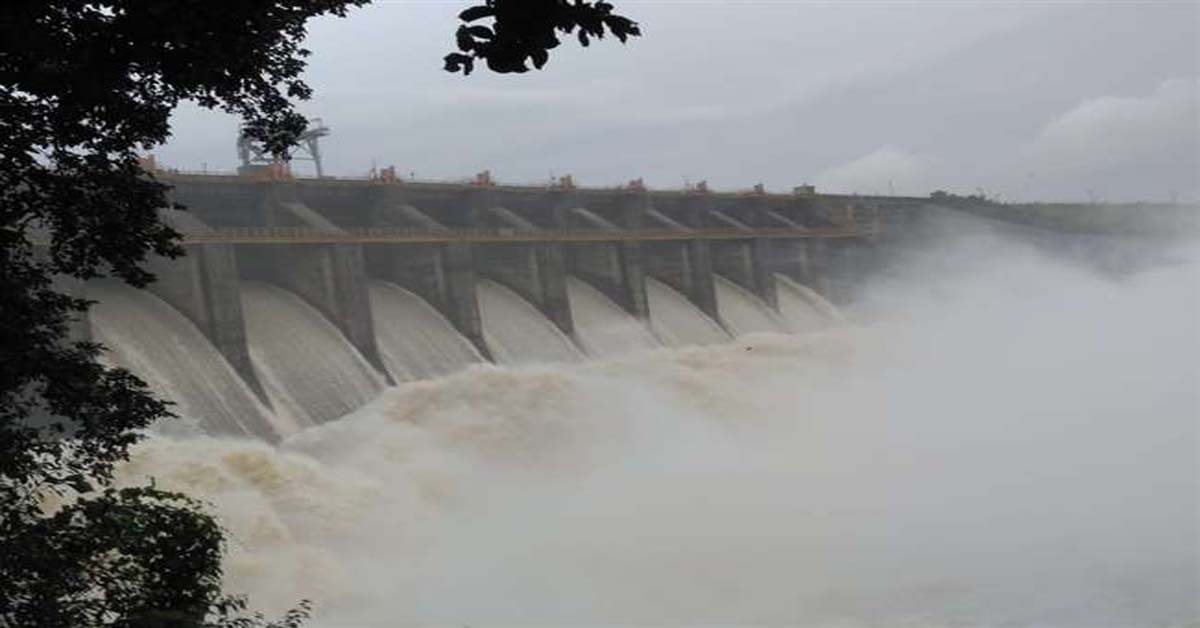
(304, 308)
(299, 300)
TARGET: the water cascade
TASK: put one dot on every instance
(802, 309)
(416, 341)
(601, 326)
(516, 332)
(311, 373)
(676, 321)
(859, 477)
(743, 311)
(158, 344)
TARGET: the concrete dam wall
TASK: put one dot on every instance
(298, 301)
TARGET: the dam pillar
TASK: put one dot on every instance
(330, 277)
(552, 268)
(685, 265)
(441, 274)
(614, 268)
(762, 265)
(700, 257)
(535, 270)
(700, 269)
(633, 279)
(204, 286)
(462, 305)
(750, 263)
(797, 259)
(633, 266)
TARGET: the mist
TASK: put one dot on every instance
(996, 437)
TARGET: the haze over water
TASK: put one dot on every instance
(997, 438)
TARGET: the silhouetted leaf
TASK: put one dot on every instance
(476, 13)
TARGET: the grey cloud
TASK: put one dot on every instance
(740, 93)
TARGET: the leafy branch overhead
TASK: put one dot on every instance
(523, 32)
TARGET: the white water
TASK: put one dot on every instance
(743, 311)
(516, 332)
(1013, 445)
(602, 327)
(415, 340)
(311, 372)
(801, 308)
(162, 347)
(676, 321)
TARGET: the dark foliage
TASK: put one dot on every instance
(83, 87)
(524, 31)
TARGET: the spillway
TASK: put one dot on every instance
(676, 321)
(158, 344)
(415, 340)
(802, 309)
(602, 327)
(310, 372)
(743, 311)
(516, 332)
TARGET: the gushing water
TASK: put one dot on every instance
(157, 343)
(416, 341)
(601, 326)
(1013, 445)
(516, 332)
(743, 311)
(802, 309)
(678, 323)
(310, 371)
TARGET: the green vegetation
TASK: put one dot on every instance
(84, 86)
(1102, 218)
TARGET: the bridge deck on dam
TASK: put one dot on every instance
(283, 235)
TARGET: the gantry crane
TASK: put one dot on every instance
(254, 155)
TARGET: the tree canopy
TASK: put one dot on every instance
(85, 86)
(527, 30)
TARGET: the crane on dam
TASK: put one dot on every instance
(255, 158)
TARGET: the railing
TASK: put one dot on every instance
(469, 182)
(301, 235)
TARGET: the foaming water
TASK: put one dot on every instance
(310, 371)
(801, 308)
(603, 328)
(516, 332)
(1012, 446)
(416, 341)
(743, 311)
(678, 323)
(158, 344)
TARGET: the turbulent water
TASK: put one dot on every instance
(415, 340)
(602, 327)
(801, 309)
(743, 311)
(160, 345)
(310, 371)
(516, 332)
(678, 323)
(1013, 444)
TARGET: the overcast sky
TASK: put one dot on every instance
(1024, 100)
